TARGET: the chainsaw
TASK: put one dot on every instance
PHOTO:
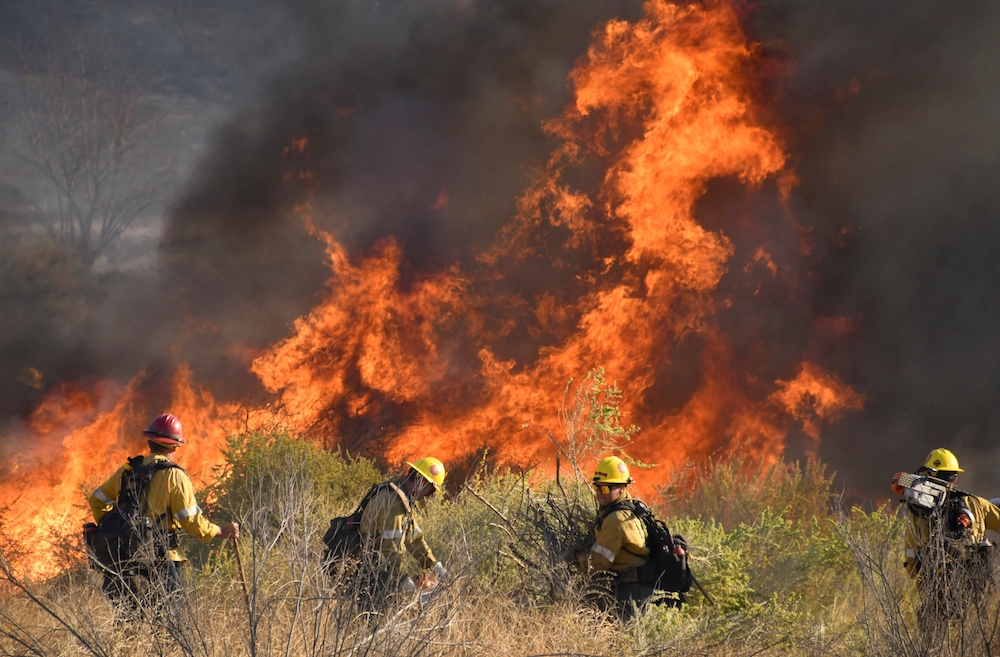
(921, 490)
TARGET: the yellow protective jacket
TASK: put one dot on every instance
(619, 540)
(170, 488)
(982, 513)
(388, 526)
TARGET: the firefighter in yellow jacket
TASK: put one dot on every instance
(619, 547)
(170, 504)
(389, 530)
(945, 546)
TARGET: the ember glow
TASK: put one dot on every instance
(661, 107)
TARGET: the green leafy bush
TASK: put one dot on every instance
(259, 466)
(272, 479)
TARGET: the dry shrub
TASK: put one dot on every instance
(947, 615)
(731, 488)
(788, 576)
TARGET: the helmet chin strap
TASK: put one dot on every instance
(425, 487)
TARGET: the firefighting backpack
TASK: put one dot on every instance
(673, 572)
(343, 538)
(125, 538)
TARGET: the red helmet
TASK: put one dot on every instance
(166, 430)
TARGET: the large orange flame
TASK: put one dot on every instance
(661, 107)
(46, 483)
(678, 75)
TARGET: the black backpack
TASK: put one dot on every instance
(343, 538)
(673, 573)
(125, 538)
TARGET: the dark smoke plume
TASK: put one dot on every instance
(422, 121)
(418, 119)
(892, 108)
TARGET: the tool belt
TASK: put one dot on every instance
(644, 574)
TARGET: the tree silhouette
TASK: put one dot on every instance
(81, 122)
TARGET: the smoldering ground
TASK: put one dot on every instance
(423, 120)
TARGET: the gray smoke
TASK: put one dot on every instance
(420, 119)
(893, 108)
(422, 122)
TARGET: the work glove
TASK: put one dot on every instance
(426, 581)
(439, 570)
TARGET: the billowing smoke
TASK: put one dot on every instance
(422, 121)
(892, 109)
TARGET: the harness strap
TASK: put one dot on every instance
(142, 484)
(640, 511)
(623, 505)
(391, 485)
(402, 496)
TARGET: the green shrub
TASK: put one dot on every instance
(591, 423)
(259, 465)
(271, 479)
(732, 489)
(765, 545)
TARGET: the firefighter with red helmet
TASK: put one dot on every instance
(945, 546)
(169, 503)
(389, 531)
(619, 548)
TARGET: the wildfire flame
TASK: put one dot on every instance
(46, 484)
(661, 107)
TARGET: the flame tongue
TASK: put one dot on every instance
(76, 439)
(678, 72)
(661, 107)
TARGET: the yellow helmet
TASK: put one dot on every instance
(612, 470)
(432, 470)
(942, 459)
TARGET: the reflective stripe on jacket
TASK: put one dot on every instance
(619, 540)
(389, 525)
(171, 488)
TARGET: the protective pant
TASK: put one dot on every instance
(145, 591)
(631, 598)
(622, 593)
(375, 588)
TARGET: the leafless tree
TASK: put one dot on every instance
(82, 122)
(174, 16)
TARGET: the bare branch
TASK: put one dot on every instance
(83, 123)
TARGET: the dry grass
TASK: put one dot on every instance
(71, 617)
(789, 577)
(947, 615)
